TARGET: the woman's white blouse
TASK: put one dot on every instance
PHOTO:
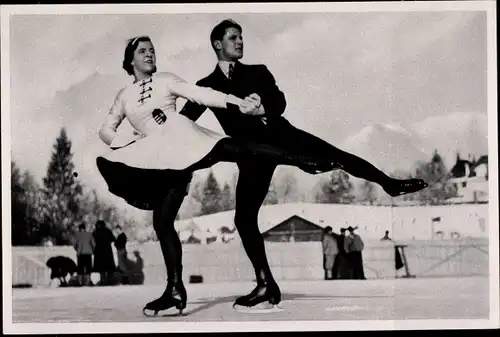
(137, 101)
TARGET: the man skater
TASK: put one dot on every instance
(264, 124)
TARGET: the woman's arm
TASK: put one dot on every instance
(107, 132)
(202, 95)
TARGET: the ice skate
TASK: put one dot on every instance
(400, 187)
(263, 299)
(173, 297)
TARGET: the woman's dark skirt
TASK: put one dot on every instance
(142, 188)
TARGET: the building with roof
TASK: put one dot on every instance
(294, 229)
(404, 223)
(470, 177)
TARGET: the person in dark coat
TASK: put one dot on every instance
(386, 237)
(61, 267)
(121, 248)
(104, 260)
(121, 252)
(341, 266)
(136, 274)
(354, 247)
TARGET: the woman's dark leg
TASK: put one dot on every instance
(163, 222)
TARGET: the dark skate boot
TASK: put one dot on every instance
(400, 187)
(174, 296)
(263, 299)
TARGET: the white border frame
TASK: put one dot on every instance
(488, 6)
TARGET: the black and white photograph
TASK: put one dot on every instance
(249, 167)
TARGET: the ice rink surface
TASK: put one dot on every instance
(431, 298)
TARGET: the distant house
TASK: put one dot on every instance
(294, 229)
(470, 177)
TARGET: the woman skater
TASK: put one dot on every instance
(151, 171)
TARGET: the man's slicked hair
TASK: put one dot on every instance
(219, 30)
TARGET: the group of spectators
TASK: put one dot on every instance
(342, 254)
(99, 245)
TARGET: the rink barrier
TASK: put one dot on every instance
(288, 261)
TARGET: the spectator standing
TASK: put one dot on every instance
(104, 261)
(341, 266)
(330, 251)
(386, 237)
(354, 247)
(121, 252)
(84, 245)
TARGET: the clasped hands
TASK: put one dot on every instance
(252, 106)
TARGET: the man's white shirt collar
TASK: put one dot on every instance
(224, 66)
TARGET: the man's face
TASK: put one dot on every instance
(231, 46)
(144, 58)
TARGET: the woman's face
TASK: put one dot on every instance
(144, 61)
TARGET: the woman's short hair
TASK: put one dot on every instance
(129, 52)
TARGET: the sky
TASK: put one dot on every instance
(339, 71)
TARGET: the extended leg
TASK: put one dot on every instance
(163, 221)
(229, 150)
(300, 142)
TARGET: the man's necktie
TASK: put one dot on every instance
(230, 72)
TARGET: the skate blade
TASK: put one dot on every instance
(262, 308)
(171, 312)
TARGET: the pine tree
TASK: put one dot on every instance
(26, 208)
(287, 188)
(34, 202)
(227, 199)
(368, 192)
(436, 175)
(338, 190)
(20, 231)
(210, 202)
(93, 208)
(62, 191)
(272, 195)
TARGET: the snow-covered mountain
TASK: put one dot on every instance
(391, 146)
(388, 146)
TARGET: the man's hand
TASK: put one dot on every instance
(254, 106)
(254, 98)
(247, 107)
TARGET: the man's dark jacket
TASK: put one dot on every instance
(246, 80)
